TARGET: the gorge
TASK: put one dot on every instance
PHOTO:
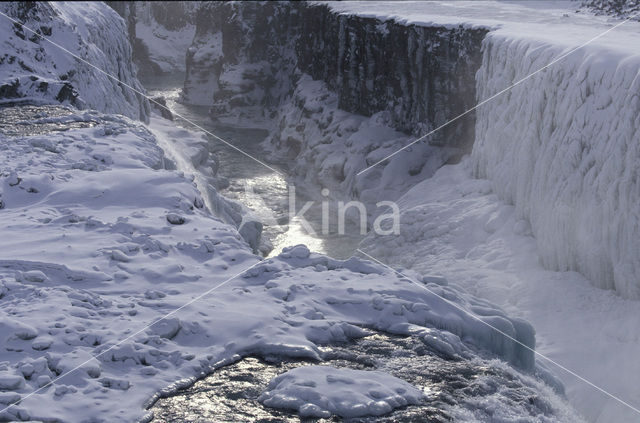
(503, 132)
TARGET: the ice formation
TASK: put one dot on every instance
(566, 154)
(323, 391)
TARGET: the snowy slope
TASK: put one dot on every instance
(34, 70)
(100, 238)
(314, 133)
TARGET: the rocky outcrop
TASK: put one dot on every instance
(34, 69)
(618, 8)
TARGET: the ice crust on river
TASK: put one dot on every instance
(322, 391)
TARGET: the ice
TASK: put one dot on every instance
(566, 155)
(322, 391)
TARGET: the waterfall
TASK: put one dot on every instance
(563, 148)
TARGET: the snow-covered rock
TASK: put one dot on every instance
(34, 70)
(323, 391)
(249, 56)
(164, 31)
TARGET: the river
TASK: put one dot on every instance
(264, 191)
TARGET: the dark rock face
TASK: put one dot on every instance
(242, 55)
(159, 104)
(171, 15)
(617, 8)
(422, 76)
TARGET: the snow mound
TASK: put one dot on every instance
(36, 71)
(322, 391)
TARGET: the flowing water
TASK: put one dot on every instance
(262, 190)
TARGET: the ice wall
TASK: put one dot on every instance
(563, 147)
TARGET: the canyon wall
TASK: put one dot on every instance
(343, 91)
(253, 54)
(339, 91)
(35, 70)
(566, 154)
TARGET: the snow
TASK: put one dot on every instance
(90, 257)
(42, 72)
(456, 227)
(555, 22)
(322, 391)
(189, 151)
(338, 144)
(167, 47)
(569, 161)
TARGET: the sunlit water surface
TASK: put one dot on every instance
(259, 188)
